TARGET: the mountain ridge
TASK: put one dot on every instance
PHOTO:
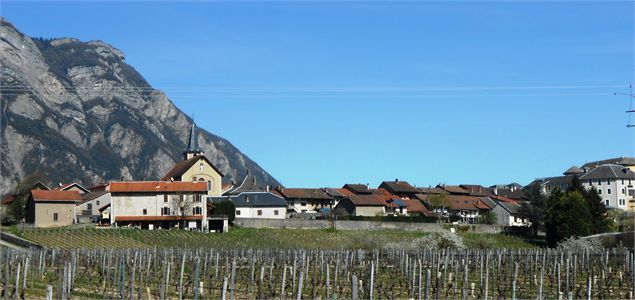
(76, 111)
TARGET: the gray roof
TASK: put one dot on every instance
(567, 179)
(192, 143)
(609, 172)
(488, 201)
(92, 196)
(253, 199)
(358, 188)
(399, 187)
(573, 170)
(512, 208)
(623, 161)
(248, 184)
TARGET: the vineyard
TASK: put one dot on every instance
(153, 273)
(246, 238)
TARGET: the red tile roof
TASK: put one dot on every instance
(461, 202)
(369, 200)
(157, 186)
(156, 218)
(454, 189)
(55, 195)
(7, 200)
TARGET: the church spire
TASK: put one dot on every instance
(192, 144)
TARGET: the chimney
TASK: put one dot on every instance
(267, 187)
(396, 179)
(496, 191)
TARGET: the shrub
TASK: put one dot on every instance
(444, 240)
(581, 244)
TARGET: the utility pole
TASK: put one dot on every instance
(629, 124)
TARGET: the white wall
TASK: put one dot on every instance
(616, 187)
(132, 204)
(103, 201)
(267, 212)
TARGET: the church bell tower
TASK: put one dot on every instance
(192, 145)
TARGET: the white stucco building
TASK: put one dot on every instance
(257, 205)
(159, 204)
(614, 181)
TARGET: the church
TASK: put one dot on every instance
(196, 167)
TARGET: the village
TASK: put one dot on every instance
(188, 197)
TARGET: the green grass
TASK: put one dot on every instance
(264, 238)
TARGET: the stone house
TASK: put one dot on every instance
(52, 208)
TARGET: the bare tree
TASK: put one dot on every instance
(182, 206)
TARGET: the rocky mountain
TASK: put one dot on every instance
(75, 111)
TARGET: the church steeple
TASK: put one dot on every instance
(192, 144)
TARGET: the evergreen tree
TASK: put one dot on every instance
(16, 211)
(568, 214)
(227, 208)
(535, 208)
(599, 215)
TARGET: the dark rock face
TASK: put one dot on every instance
(75, 111)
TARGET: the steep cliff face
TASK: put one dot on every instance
(75, 110)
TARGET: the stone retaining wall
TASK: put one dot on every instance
(362, 225)
(12, 239)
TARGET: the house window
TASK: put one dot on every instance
(622, 202)
(599, 181)
(145, 212)
(608, 181)
(599, 191)
(590, 182)
(209, 185)
(201, 167)
(623, 191)
(194, 179)
(197, 198)
(97, 202)
(302, 203)
(606, 202)
(89, 206)
(197, 210)
(165, 198)
(238, 212)
(55, 217)
(608, 191)
(622, 181)
(165, 211)
(260, 212)
(275, 212)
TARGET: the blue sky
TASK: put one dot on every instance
(327, 93)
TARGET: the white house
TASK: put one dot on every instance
(614, 183)
(257, 205)
(613, 180)
(510, 214)
(159, 204)
(87, 211)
